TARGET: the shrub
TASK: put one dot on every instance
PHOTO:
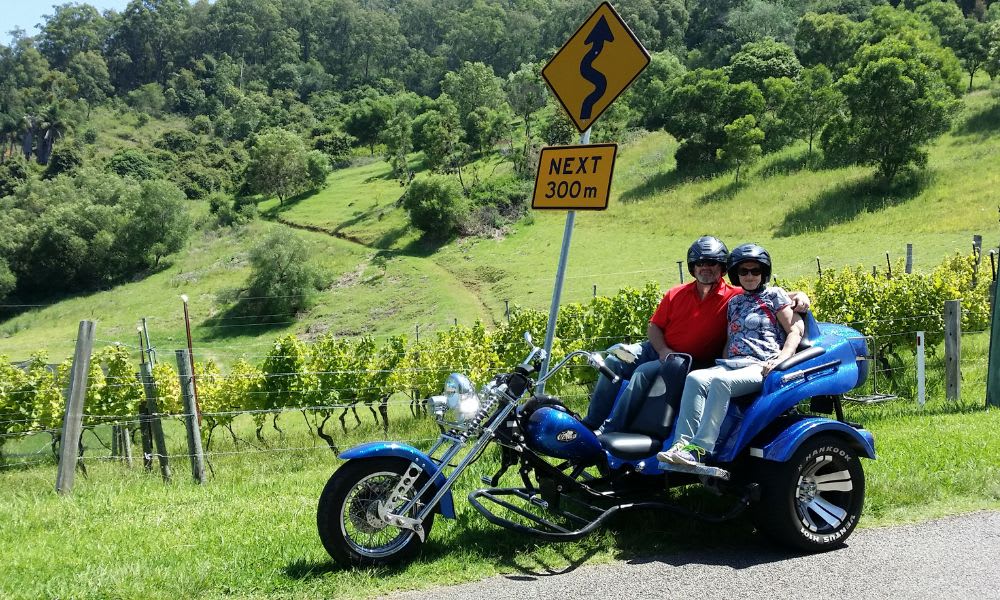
(436, 206)
(132, 162)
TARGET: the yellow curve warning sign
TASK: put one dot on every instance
(595, 66)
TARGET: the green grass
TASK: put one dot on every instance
(250, 531)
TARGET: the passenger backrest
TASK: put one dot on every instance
(656, 413)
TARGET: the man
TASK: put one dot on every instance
(691, 318)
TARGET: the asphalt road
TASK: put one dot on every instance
(951, 558)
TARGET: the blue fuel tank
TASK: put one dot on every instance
(556, 433)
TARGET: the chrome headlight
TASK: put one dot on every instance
(459, 404)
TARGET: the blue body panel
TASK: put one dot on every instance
(781, 448)
(556, 433)
(744, 422)
(395, 449)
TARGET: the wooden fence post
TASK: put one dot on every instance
(73, 417)
(153, 416)
(909, 258)
(953, 349)
(191, 416)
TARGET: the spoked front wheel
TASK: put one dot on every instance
(348, 520)
(813, 501)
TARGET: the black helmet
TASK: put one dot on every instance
(707, 248)
(745, 253)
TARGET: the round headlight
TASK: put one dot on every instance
(460, 403)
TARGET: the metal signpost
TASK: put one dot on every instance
(589, 72)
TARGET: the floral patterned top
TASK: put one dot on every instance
(754, 330)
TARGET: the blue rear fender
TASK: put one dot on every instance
(783, 446)
(395, 449)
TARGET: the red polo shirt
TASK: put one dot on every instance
(693, 325)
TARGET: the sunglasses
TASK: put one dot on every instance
(754, 271)
(705, 263)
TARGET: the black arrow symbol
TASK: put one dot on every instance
(599, 35)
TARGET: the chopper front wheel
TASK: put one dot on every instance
(347, 516)
(813, 501)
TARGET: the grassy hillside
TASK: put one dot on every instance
(386, 280)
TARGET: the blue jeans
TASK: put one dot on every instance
(706, 401)
(640, 374)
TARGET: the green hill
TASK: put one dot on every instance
(387, 280)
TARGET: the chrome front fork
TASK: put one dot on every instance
(403, 490)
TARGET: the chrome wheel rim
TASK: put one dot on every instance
(824, 494)
(360, 524)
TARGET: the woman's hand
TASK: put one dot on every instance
(768, 365)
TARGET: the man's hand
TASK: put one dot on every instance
(800, 301)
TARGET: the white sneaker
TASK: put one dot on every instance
(667, 456)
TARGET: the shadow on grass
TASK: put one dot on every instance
(639, 536)
(981, 125)
(848, 200)
(725, 192)
(288, 204)
(241, 314)
(659, 183)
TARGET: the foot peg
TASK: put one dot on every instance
(705, 470)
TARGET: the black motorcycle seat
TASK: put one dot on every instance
(630, 446)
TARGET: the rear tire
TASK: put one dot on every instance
(813, 501)
(347, 516)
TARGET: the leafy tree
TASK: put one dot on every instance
(367, 118)
(757, 61)
(337, 145)
(857, 10)
(8, 281)
(472, 86)
(282, 277)
(90, 73)
(975, 47)
(72, 29)
(901, 94)
(558, 129)
(812, 103)
(436, 206)
(826, 39)
(441, 136)
(742, 145)
(318, 166)
(948, 19)
(699, 107)
(652, 87)
(279, 165)
(132, 162)
(64, 160)
(526, 94)
(148, 98)
(992, 64)
(398, 138)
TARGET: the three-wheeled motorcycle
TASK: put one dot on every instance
(798, 472)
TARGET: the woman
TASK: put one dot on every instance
(763, 331)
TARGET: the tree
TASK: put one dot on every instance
(472, 86)
(758, 61)
(812, 103)
(436, 206)
(8, 281)
(398, 139)
(826, 39)
(158, 224)
(282, 277)
(70, 30)
(367, 118)
(948, 19)
(742, 145)
(90, 73)
(652, 87)
(901, 93)
(278, 165)
(975, 47)
(699, 107)
(441, 136)
(526, 93)
(992, 64)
